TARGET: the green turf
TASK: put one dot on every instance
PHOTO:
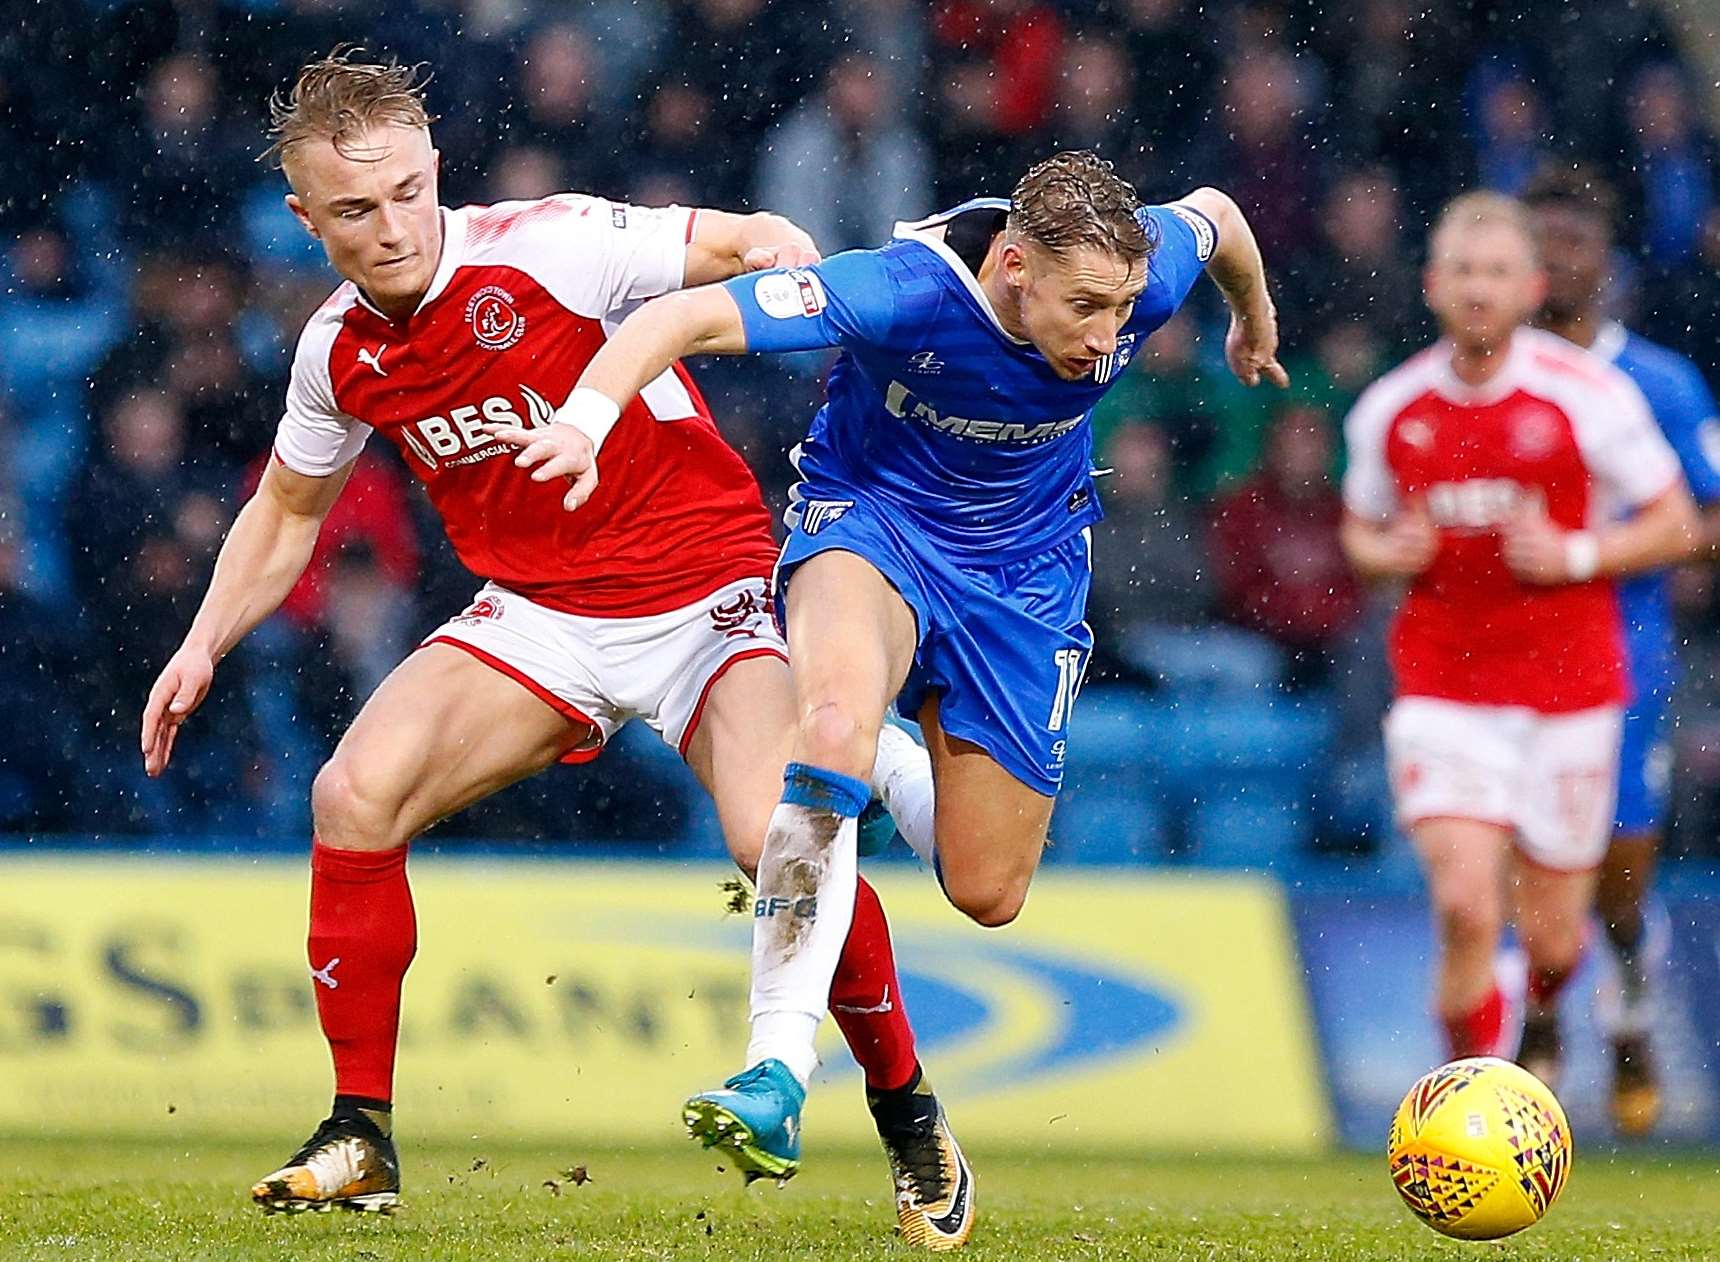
(66, 1200)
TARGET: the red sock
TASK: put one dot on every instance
(1476, 1033)
(1546, 983)
(363, 936)
(866, 999)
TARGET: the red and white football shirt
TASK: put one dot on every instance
(1555, 424)
(524, 295)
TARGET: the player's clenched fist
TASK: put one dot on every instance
(1409, 543)
(761, 258)
(178, 690)
(559, 450)
(1540, 552)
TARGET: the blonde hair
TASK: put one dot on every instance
(1468, 210)
(1076, 198)
(336, 98)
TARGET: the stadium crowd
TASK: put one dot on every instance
(153, 282)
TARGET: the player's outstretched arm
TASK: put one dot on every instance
(1236, 267)
(268, 548)
(702, 321)
(725, 245)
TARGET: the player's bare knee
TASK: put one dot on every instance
(989, 903)
(1550, 944)
(349, 814)
(1469, 922)
(833, 736)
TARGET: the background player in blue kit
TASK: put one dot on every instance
(1574, 214)
(938, 556)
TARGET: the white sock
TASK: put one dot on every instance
(805, 906)
(902, 776)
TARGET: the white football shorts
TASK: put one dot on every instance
(1553, 778)
(601, 672)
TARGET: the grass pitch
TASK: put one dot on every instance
(66, 1199)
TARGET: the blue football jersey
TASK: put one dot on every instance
(937, 412)
(1684, 409)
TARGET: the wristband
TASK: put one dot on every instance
(1582, 555)
(591, 412)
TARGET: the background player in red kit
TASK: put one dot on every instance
(652, 603)
(1488, 471)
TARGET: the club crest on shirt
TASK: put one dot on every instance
(1534, 436)
(1110, 366)
(495, 323)
(483, 607)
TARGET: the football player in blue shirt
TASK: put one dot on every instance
(1574, 214)
(938, 557)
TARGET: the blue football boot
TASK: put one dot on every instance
(877, 829)
(755, 1118)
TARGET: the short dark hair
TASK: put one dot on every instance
(1075, 198)
(336, 97)
(1574, 186)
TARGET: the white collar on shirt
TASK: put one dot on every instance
(1609, 341)
(1502, 383)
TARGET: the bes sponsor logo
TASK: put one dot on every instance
(900, 401)
(442, 442)
(1478, 504)
(495, 323)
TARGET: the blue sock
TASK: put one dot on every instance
(806, 785)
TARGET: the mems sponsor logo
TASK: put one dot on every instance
(900, 401)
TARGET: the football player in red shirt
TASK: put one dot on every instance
(652, 603)
(1489, 473)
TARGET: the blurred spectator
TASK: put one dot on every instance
(525, 173)
(840, 165)
(189, 312)
(1206, 417)
(669, 162)
(893, 33)
(1510, 143)
(1274, 545)
(42, 738)
(373, 519)
(997, 63)
(1365, 274)
(144, 530)
(1095, 92)
(185, 167)
(751, 61)
(1673, 166)
(61, 309)
(558, 109)
(1172, 63)
(1149, 567)
(1264, 156)
(1681, 305)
